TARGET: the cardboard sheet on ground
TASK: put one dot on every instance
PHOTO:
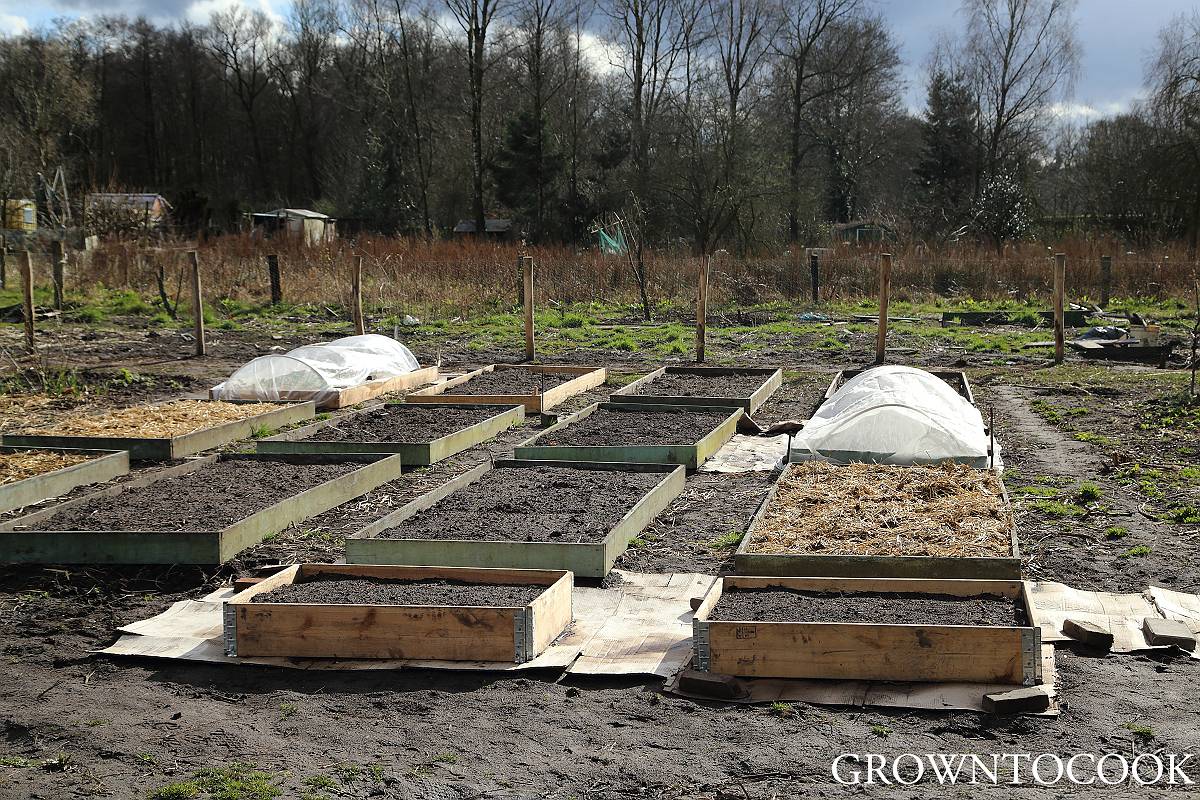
(642, 626)
(747, 454)
(1179, 606)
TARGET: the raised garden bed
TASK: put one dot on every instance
(537, 387)
(864, 520)
(29, 476)
(165, 431)
(352, 395)
(374, 611)
(956, 378)
(422, 435)
(868, 629)
(202, 512)
(524, 514)
(745, 388)
(635, 433)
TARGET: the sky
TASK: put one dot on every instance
(1115, 36)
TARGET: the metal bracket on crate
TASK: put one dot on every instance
(523, 635)
(1031, 655)
(229, 628)
(700, 645)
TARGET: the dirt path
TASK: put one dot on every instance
(1047, 450)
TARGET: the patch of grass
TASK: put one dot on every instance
(376, 772)
(1182, 515)
(1137, 552)
(17, 761)
(1140, 731)
(782, 709)
(260, 431)
(1092, 438)
(728, 541)
(183, 790)
(881, 731)
(238, 781)
(445, 758)
(1038, 491)
(1089, 492)
(286, 710)
(1116, 532)
(1054, 508)
(320, 782)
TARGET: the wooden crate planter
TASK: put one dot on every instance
(169, 448)
(444, 633)
(586, 559)
(748, 562)
(352, 395)
(584, 378)
(868, 651)
(772, 379)
(104, 466)
(19, 545)
(689, 455)
(414, 454)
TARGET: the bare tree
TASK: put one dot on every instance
(1174, 74)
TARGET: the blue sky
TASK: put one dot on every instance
(1116, 36)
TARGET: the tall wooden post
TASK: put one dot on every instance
(197, 303)
(4, 265)
(702, 307)
(1060, 280)
(276, 281)
(527, 301)
(27, 297)
(885, 292)
(57, 271)
(356, 310)
(1105, 279)
(814, 270)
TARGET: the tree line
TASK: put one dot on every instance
(742, 124)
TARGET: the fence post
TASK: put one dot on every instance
(1060, 279)
(885, 291)
(702, 307)
(276, 284)
(27, 297)
(527, 301)
(197, 303)
(57, 270)
(3, 262)
(814, 269)
(1105, 279)
(356, 310)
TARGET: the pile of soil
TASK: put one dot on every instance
(404, 423)
(369, 591)
(613, 426)
(532, 504)
(683, 384)
(512, 382)
(882, 608)
(208, 499)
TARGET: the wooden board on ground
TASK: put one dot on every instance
(170, 448)
(689, 455)
(352, 395)
(772, 379)
(102, 465)
(748, 562)
(20, 545)
(868, 651)
(451, 633)
(586, 559)
(414, 454)
(583, 379)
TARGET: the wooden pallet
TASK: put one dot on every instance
(585, 378)
(772, 379)
(868, 651)
(447, 633)
(103, 466)
(414, 454)
(352, 395)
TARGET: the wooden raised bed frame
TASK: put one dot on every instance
(585, 378)
(687, 455)
(167, 449)
(106, 465)
(956, 378)
(746, 562)
(772, 380)
(585, 559)
(414, 454)
(361, 393)
(444, 633)
(869, 651)
(21, 546)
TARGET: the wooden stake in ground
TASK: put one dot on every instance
(356, 312)
(58, 260)
(1195, 336)
(1060, 280)
(27, 297)
(814, 270)
(702, 307)
(1105, 279)
(276, 283)
(197, 303)
(885, 292)
(4, 265)
(527, 301)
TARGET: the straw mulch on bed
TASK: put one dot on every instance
(879, 510)
(163, 420)
(31, 463)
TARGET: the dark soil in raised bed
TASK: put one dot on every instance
(208, 499)
(370, 591)
(881, 608)
(686, 384)
(532, 504)
(611, 427)
(404, 423)
(512, 381)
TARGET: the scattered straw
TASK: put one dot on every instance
(31, 463)
(871, 509)
(20, 410)
(164, 420)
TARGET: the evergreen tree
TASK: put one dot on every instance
(946, 172)
(526, 170)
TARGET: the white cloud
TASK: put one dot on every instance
(200, 11)
(604, 56)
(1086, 112)
(12, 25)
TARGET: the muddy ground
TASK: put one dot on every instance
(683, 384)
(405, 423)
(77, 725)
(881, 608)
(616, 426)
(511, 382)
(342, 590)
